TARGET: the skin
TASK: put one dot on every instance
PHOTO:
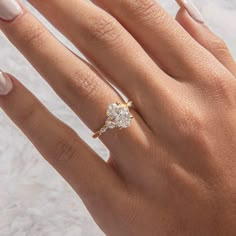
(173, 172)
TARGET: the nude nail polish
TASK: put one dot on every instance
(9, 9)
(5, 84)
(192, 10)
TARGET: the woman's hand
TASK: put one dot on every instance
(173, 172)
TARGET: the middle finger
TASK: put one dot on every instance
(109, 46)
(79, 86)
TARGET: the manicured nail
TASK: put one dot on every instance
(192, 10)
(5, 84)
(9, 9)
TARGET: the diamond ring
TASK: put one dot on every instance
(118, 116)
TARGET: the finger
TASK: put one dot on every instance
(73, 79)
(89, 175)
(159, 34)
(108, 45)
(204, 36)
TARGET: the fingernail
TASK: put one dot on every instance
(9, 9)
(192, 10)
(5, 84)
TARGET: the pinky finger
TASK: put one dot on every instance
(191, 20)
(89, 175)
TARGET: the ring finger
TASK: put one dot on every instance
(73, 79)
(110, 47)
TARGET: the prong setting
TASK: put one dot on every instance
(118, 116)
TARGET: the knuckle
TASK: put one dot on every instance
(35, 34)
(65, 148)
(143, 6)
(28, 114)
(219, 47)
(132, 202)
(222, 87)
(103, 28)
(148, 9)
(191, 125)
(194, 131)
(86, 83)
(220, 84)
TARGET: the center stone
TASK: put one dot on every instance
(118, 116)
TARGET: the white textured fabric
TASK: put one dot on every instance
(34, 200)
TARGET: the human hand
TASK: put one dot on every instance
(173, 171)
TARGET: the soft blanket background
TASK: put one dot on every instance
(34, 199)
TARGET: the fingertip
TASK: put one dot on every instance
(192, 10)
(10, 10)
(193, 27)
(182, 16)
(6, 83)
(185, 19)
(206, 38)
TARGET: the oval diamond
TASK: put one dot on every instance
(113, 110)
(119, 116)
